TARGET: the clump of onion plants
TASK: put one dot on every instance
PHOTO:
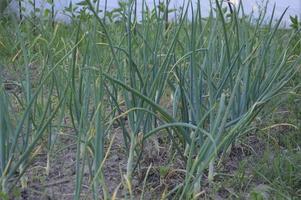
(220, 72)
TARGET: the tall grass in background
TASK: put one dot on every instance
(200, 81)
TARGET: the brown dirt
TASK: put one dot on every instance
(60, 183)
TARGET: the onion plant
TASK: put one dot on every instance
(219, 72)
(30, 114)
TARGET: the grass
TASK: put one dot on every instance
(201, 86)
(269, 169)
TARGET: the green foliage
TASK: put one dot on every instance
(3, 5)
(218, 74)
(295, 23)
(260, 192)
